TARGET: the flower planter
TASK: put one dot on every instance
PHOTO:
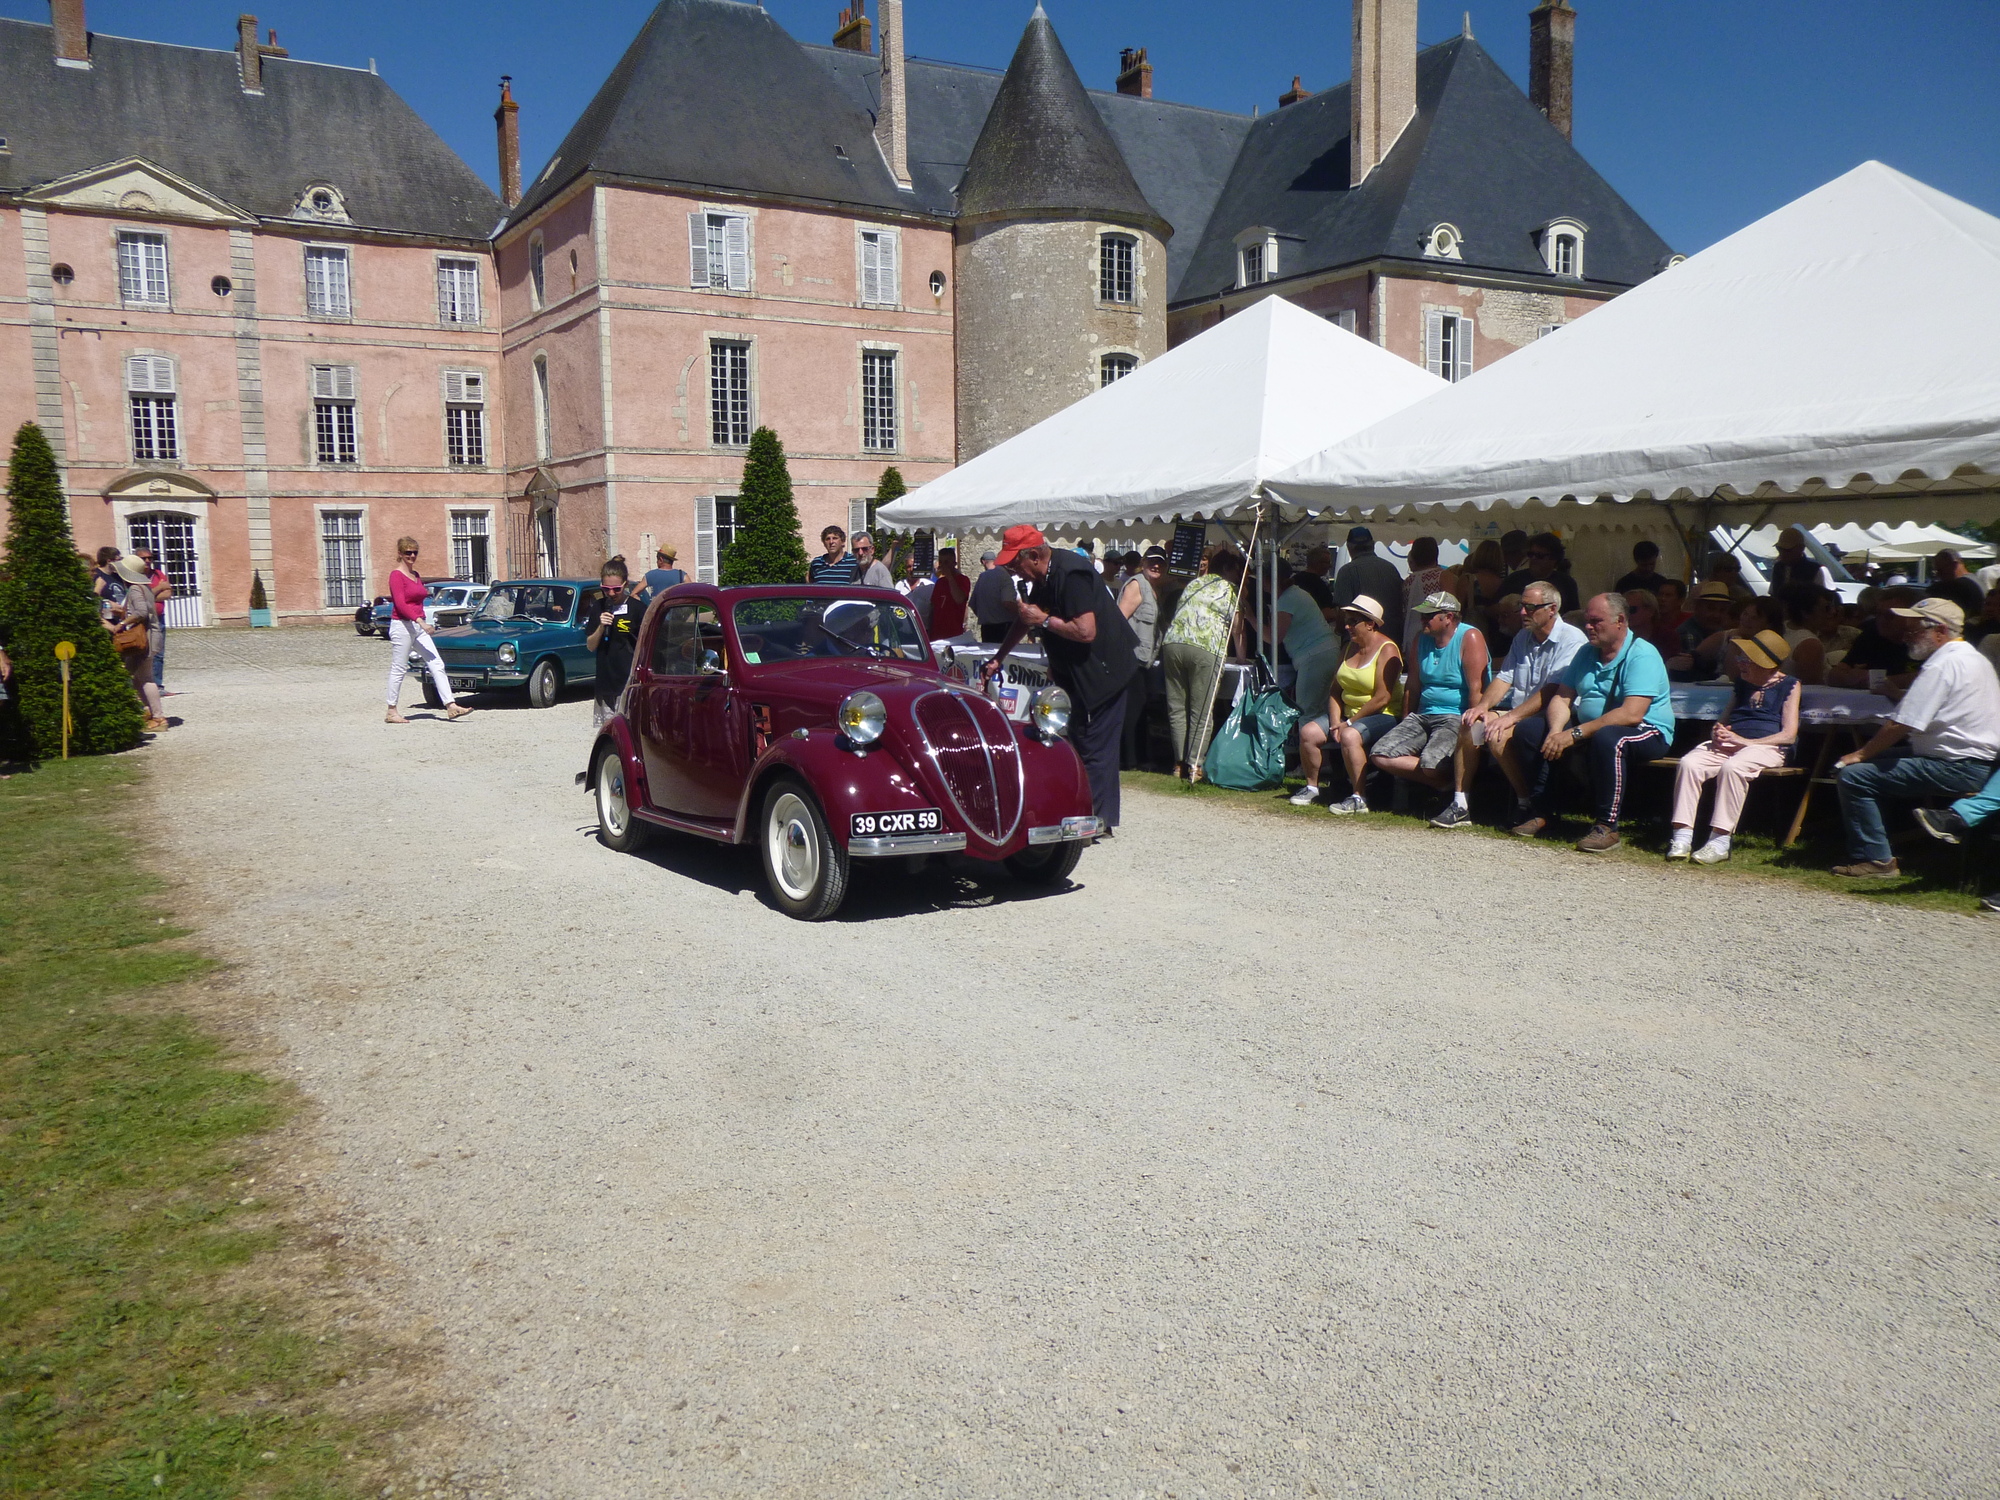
(261, 619)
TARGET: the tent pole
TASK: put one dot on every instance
(1207, 719)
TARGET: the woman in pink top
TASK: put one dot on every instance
(408, 632)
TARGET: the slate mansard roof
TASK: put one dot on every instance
(715, 94)
(184, 109)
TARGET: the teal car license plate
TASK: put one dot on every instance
(889, 824)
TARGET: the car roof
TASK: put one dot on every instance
(782, 591)
(574, 583)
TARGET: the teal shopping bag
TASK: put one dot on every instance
(1248, 754)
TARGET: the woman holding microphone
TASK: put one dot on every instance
(408, 631)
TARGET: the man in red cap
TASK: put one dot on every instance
(1091, 649)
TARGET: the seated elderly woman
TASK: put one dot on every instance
(1365, 700)
(1755, 734)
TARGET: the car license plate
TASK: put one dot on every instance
(889, 824)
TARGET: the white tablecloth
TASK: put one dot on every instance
(1820, 707)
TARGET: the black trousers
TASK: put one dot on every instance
(1138, 697)
(993, 635)
(1095, 733)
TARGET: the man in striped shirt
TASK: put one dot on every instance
(836, 566)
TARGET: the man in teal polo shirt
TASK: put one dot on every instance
(1614, 700)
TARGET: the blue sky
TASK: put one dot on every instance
(1706, 114)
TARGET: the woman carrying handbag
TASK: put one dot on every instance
(132, 623)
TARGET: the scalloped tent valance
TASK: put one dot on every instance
(1827, 363)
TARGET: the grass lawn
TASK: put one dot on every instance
(1931, 878)
(146, 1348)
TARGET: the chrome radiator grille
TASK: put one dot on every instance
(977, 758)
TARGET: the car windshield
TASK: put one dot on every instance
(544, 602)
(789, 629)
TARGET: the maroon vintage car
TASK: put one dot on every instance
(815, 723)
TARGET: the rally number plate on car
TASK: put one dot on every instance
(888, 824)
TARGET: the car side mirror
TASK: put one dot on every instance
(711, 662)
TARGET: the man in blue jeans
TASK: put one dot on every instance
(1952, 824)
(1943, 738)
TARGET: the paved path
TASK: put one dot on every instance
(1275, 1158)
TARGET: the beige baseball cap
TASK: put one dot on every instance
(1943, 612)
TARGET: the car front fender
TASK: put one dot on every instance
(618, 734)
(845, 781)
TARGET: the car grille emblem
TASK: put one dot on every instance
(978, 760)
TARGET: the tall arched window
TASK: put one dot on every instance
(538, 272)
(1117, 269)
(1115, 367)
(543, 446)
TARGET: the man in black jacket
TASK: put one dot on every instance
(1091, 649)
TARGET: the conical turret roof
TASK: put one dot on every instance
(1046, 150)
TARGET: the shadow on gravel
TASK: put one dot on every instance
(876, 892)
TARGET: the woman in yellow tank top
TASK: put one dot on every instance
(1367, 699)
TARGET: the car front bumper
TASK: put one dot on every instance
(1068, 831)
(471, 678)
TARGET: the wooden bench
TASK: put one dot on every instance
(1773, 773)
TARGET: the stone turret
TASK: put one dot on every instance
(1060, 260)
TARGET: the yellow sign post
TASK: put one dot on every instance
(64, 651)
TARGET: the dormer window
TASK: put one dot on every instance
(321, 200)
(1562, 248)
(1444, 242)
(1256, 256)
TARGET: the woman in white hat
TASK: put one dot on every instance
(1366, 699)
(1755, 734)
(139, 608)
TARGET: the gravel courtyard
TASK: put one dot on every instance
(1275, 1157)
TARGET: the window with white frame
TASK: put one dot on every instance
(340, 556)
(1562, 248)
(881, 267)
(458, 291)
(538, 271)
(150, 389)
(333, 415)
(714, 532)
(544, 425)
(1346, 318)
(1546, 329)
(142, 269)
(1447, 344)
(328, 292)
(471, 545)
(464, 417)
(1115, 367)
(729, 394)
(719, 251)
(1250, 264)
(1117, 269)
(878, 400)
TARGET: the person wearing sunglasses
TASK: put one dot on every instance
(1539, 654)
(875, 573)
(409, 631)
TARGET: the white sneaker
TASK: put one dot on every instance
(1715, 851)
(1305, 796)
(1354, 804)
(1682, 844)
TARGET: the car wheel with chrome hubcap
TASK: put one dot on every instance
(616, 827)
(805, 869)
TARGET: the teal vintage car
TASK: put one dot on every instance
(528, 633)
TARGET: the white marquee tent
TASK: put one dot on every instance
(1194, 433)
(1833, 361)
(1904, 541)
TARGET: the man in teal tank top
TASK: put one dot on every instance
(1447, 675)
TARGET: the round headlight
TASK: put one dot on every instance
(1050, 712)
(862, 718)
(507, 653)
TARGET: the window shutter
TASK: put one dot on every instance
(738, 240)
(454, 385)
(1434, 344)
(888, 281)
(857, 515)
(1462, 346)
(704, 538)
(447, 293)
(150, 373)
(698, 249)
(333, 382)
(871, 268)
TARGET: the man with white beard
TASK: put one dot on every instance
(1943, 738)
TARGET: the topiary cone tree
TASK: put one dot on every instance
(45, 597)
(767, 548)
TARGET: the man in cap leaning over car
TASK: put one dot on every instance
(1091, 648)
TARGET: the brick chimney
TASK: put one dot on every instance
(852, 32)
(250, 54)
(1552, 61)
(1385, 80)
(1135, 74)
(1295, 93)
(72, 37)
(507, 123)
(892, 121)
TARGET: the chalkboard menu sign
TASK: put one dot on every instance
(924, 560)
(1184, 551)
